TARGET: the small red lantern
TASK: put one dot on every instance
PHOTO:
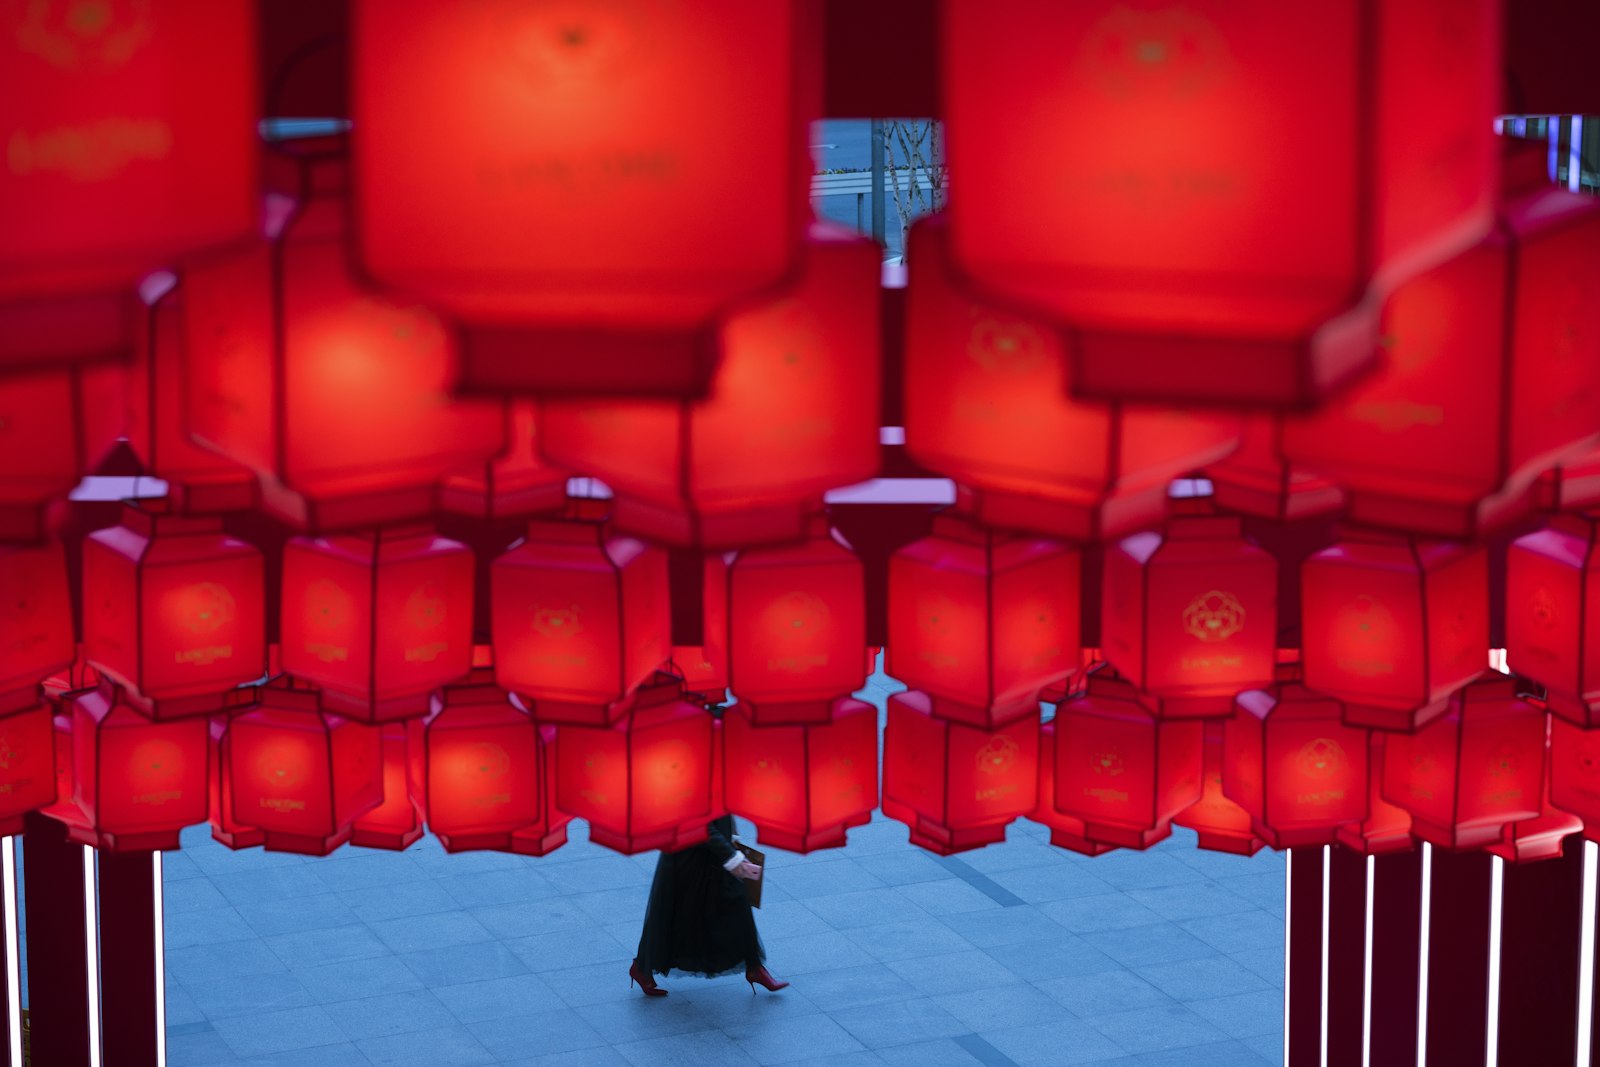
(793, 412)
(396, 823)
(983, 621)
(135, 782)
(299, 775)
(590, 182)
(36, 625)
(1119, 768)
(642, 780)
(580, 618)
(1258, 480)
(28, 776)
(482, 765)
(1221, 823)
(515, 484)
(55, 427)
(130, 139)
(1295, 766)
(1475, 770)
(1177, 244)
(795, 629)
(335, 393)
(173, 609)
(956, 786)
(1391, 626)
(1386, 828)
(378, 620)
(1550, 600)
(225, 827)
(1492, 375)
(1191, 617)
(1066, 831)
(803, 784)
(984, 404)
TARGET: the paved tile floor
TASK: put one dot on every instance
(1018, 954)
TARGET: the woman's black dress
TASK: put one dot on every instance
(699, 919)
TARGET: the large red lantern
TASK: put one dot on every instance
(135, 782)
(1191, 616)
(1120, 769)
(1575, 772)
(795, 627)
(1492, 374)
(802, 785)
(1220, 822)
(395, 824)
(28, 771)
(56, 425)
(984, 404)
(548, 832)
(1176, 243)
(1475, 770)
(1259, 480)
(299, 775)
(1551, 602)
(956, 786)
(1066, 831)
(335, 392)
(580, 619)
(793, 412)
(590, 184)
(1386, 828)
(1539, 838)
(173, 609)
(378, 620)
(515, 484)
(226, 828)
(36, 625)
(1391, 626)
(983, 621)
(644, 780)
(130, 138)
(482, 765)
(1295, 766)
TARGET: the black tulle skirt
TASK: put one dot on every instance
(699, 920)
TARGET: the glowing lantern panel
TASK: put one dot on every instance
(1386, 828)
(55, 426)
(1258, 479)
(136, 783)
(1295, 766)
(515, 484)
(1066, 831)
(396, 823)
(983, 621)
(1552, 603)
(27, 769)
(36, 625)
(482, 766)
(378, 621)
(226, 828)
(1575, 772)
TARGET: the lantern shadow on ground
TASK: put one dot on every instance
(1016, 953)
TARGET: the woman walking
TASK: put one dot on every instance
(699, 920)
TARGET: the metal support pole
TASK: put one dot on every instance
(879, 205)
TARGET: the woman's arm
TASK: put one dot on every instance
(722, 848)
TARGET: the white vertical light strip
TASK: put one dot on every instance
(1288, 914)
(1497, 875)
(1591, 855)
(91, 940)
(1327, 889)
(1366, 967)
(1553, 156)
(1422, 955)
(13, 964)
(1575, 156)
(161, 959)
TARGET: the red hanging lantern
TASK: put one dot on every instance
(704, 673)
(335, 393)
(580, 618)
(1575, 773)
(515, 484)
(1295, 766)
(793, 412)
(36, 625)
(1492, 375)
(1121, 770)
(795, 628)
(644, 779)
(299, 775)
(135, 783)
(1066, 831)
(1541, 837)
(396, 823)
(549, 831)
(1386, 828)
(591, 190)
(482, 765)
(1258, 480)
(55, 426)
(1573, 484)
(28, 773)
(226, 829)
(129, 132)
(173, 610)
(1550, 601)
(802, 785)
(1177, 246)
(983, 621)
(1475, 770)
(377, 620)
(1221, 823)
(956, 786)
(1191, 616)
(1391, 626)
(984, 404)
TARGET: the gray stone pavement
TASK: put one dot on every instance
(1017, 954)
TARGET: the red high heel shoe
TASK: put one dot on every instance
(647, 984)
(761, 976)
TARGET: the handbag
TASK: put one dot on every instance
(752, 886)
